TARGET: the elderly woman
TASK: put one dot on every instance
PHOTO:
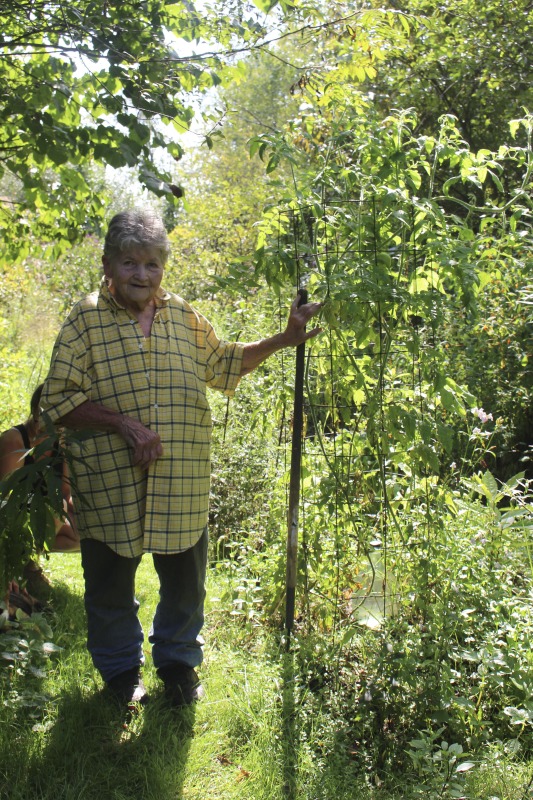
(131, 365)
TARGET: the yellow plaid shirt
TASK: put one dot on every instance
(101, 355)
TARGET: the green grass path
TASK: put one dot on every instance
(260, 733)
(239, 742)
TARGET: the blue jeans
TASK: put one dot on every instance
(114, 633)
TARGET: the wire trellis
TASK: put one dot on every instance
(364, 256)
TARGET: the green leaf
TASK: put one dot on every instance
(490, 482)
(404, 22)
(497, 182)
(465, 766)
(254, 145)
(50, 647)
(446, 436)
(273, 163)
(265, 5)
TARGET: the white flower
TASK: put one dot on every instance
(481, 414)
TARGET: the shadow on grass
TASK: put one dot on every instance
(95, 752)
(311, 726)
(90, 750)
(290, 729)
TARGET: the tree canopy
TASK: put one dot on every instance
(458, 57)
(115, 84)
(91, 82)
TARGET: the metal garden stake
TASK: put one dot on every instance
(294, 485)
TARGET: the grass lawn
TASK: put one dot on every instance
(260, 733)
(61, 740)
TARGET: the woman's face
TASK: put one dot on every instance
(134, 276)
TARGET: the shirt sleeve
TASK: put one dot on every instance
(223, 362)
(67, 385)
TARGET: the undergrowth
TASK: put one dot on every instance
(319, 720)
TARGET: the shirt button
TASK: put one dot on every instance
(140, 345)
(155, 405)
(132, 322)
(147, 376)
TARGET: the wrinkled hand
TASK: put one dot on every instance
(299, 316)
(145, 444)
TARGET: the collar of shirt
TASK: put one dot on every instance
(161, 298)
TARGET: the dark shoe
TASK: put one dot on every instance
(182, 684)
(127, 688)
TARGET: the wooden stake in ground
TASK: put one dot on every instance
(294, 485)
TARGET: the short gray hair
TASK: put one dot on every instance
(136, 228)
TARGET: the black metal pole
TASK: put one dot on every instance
(294, 485)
